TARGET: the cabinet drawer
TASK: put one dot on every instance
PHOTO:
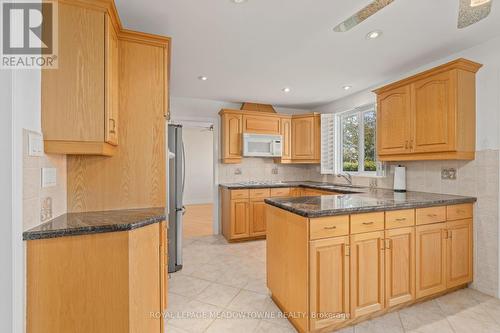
(459, 212)
(239, 194)
(399, 218)
(331, 226)
(367, 222)
(280, 192)
(430, 215)
(260, 193)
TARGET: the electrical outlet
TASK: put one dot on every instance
(35, 144)
(238, 171)
(449, 173)
(373, 183)
(46, 209)
(275, 171)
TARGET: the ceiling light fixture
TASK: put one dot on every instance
(346, 87)
(202, 78)
(286, 90)
(476, 3)
(374, 34)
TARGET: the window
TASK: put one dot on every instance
(357, 140)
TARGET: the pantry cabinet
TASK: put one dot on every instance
(429, 116)
(80, 99)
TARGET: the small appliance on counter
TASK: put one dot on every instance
(400, 179)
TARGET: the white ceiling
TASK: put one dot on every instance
(250, 51)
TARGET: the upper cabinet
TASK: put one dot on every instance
(301, 134)
(429, 116)
(306, 137)
(80, 99)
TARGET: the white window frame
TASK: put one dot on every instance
(340, 135)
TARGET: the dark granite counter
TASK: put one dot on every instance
(305, 184)
(369, 201)
(74, 224)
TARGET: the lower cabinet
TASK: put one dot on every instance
(329, 286)
(399, 266)
(367, 273)
(240, 219)
(257, 217)
(458, 253)
(431, 259)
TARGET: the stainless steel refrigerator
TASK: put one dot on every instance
(176, 181)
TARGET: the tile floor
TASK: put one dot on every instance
(220, 281)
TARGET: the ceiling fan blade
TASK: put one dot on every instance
(473, 11)
(362, 15)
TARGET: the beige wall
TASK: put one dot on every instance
(33, 193)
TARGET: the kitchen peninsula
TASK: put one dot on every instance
(335, 260)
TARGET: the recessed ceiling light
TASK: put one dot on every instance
(346, 87)
(374, 34)
(286, 90)
(202, 78)
(238, 1)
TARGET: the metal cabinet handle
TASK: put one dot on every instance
(401, 219)
(368, 223)
(330, 228)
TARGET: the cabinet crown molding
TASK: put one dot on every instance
(461, 63)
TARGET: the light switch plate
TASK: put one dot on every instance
(35, 144)
(49, 177)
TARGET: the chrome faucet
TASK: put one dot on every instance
(346, 176)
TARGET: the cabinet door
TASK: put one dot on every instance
(399, 266)
(459, 253)
(232, 136)
(72, 96)
(367, 273)
(329, 281)
(431, 259)
(112, 73)
(240, 219)
(394, 122)
(434, 103)
(286, 133)
(303, 138)
(257, 218)
(261, 124)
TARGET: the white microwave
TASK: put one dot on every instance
(262, 145)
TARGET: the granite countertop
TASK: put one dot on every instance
(369, 201)
(339, 188)
(73, 224)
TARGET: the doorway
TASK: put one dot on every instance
(198, 197)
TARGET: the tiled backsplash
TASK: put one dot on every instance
(34, 196)
(261, 169)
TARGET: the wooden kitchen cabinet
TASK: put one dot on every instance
(367, 273)
(240, 219)
(79, 99)
(262, 124)
(429, 116)
(306, 137)
(286, 137)
(458, 253)
(232, 137)
(257, 217)
(399, 266)
(430, 259)
(329, 281)
(394, 122)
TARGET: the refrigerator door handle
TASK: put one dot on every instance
(183, 170)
